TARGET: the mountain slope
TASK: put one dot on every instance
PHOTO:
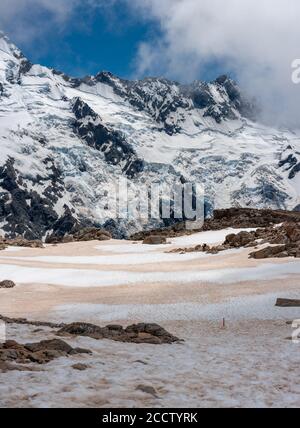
(65, 142)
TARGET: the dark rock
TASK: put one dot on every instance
(294, 171)
(7, 284)
(82, 329)
(288, 303)
(239, 240)
(39, 353)
(54, 345)
(137, 333)
(268, 252)
(117, 151)
(24, 321)
(28, 213)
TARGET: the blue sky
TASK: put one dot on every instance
(90, 41)
(88, 44)
(91, 36)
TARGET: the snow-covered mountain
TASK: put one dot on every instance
(64, 142)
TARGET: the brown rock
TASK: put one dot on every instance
(292, 231)
(240, 239)
(92, 234)
(155, 240)
(54, 344)
(21, 242)
(288, 303)
(267, 252)
(137, 333)
(39, 353)
(6, 367)
(67, 239)
(147, 390)
(80, 366)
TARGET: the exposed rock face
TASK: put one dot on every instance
(26, 212)
(117, 151)
(7, 284)
(164, 99)
(137, 333)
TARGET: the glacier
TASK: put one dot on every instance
(66, 141)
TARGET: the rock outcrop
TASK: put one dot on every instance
(21, 242)
(41, 352)
(283, 240)
(81, 235)
(137, 333)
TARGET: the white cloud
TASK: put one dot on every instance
(258, 39)
(26, 20)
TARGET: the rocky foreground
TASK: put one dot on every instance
(234, 313)
(16, 356)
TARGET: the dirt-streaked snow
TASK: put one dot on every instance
(249, 363)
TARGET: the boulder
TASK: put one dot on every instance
(7, 284)
(49, 345)
(80, 367)
(240, 239)
(268, 252)
(155, 240)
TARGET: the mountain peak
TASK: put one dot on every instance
(9, 48)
